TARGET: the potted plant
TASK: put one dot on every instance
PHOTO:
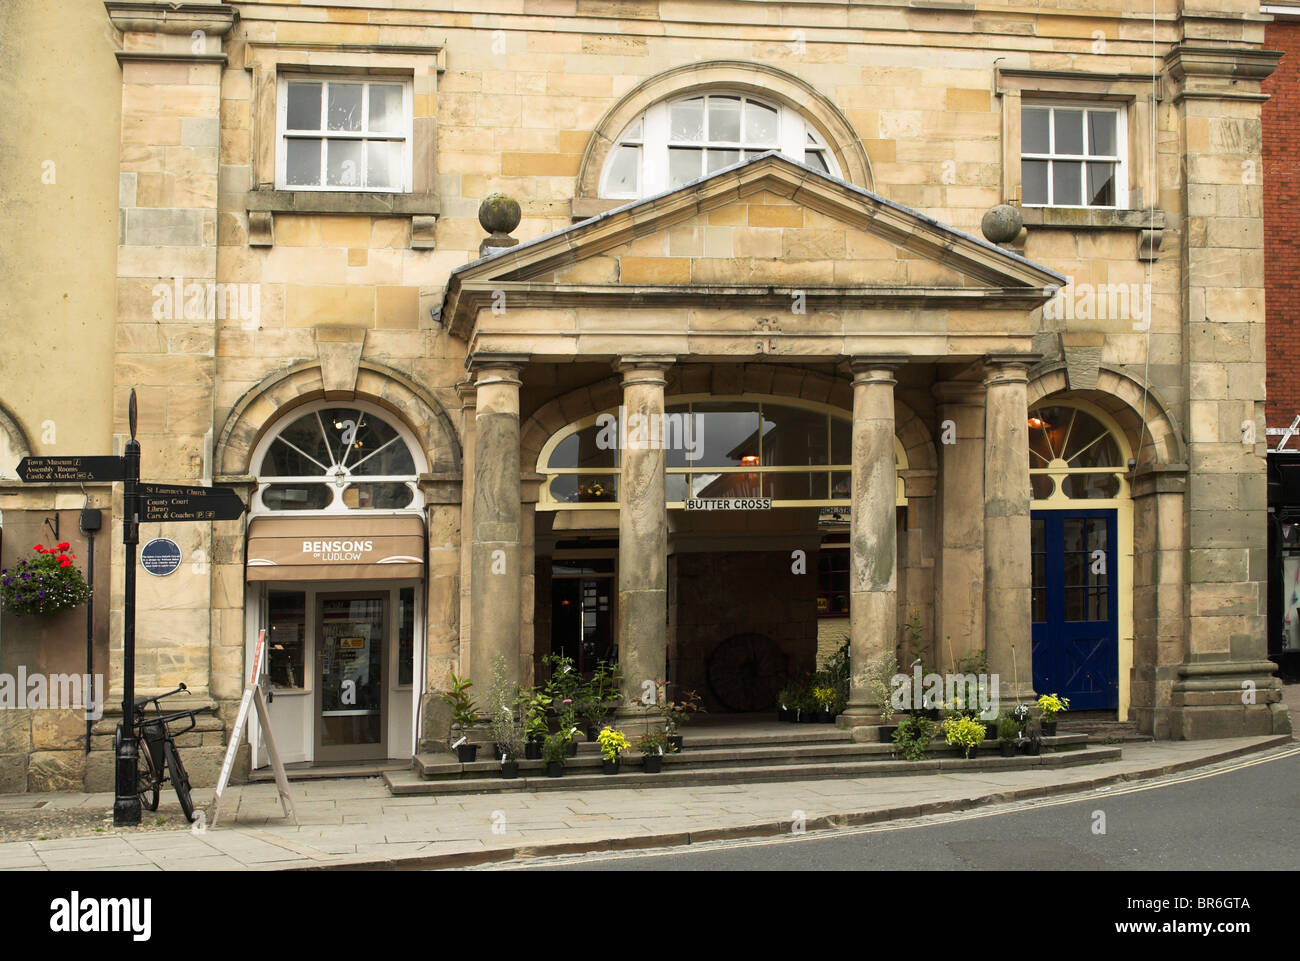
(913, 736)
(1051, 705)
(824, 697)
(783, 710)
(44, 585)
(464, 714)
(613, 745)
(533, 706)
(677, 713)
(1008, 734)
(876, 677)
(554, 750)
(652, 745)
(964, 733)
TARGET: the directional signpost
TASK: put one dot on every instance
(166, 502)
(150, 503)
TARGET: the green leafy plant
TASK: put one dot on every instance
(534, 705)
(600, 696)
(464, 712)
(913, 737)
(556, 747)
(613, 744)
(824, 696)
(505, 720)
(1008, 728)
(964, 732)
(876, 677)
(47, 584)
(1051, 705)
(654, 741)
(676, 713)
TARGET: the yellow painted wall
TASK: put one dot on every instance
(58, 247)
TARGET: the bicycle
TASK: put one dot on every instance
(157, 751)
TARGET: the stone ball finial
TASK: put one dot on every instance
(498, 214)
(1002, 224)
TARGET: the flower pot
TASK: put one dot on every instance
(533, 751)
(609, 767)
(1049, 729)
(654, 763)
(554, 768)
(591, 733)
(1008, 748)
(509, 769)
(825, 717)
(677, 741)
(466, 753)
(785, 714)
(886, 734)
(572, 749)
(1031, 747)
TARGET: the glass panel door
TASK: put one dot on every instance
(351, 689)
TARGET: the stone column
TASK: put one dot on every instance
(642, 531)
(959, 580)
(1007, 561)
(494, 552)
(873, 537)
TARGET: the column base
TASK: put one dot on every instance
(1227, 699)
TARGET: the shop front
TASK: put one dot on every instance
(335, 576)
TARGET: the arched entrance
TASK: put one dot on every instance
(757, 496)
(1081, 527)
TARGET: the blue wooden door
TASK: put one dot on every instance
(1075, 607)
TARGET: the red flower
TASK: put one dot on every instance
(39, 549)
(64, 562)
(64, 546)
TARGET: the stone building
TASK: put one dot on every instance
(763, 233)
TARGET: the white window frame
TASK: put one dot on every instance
(652, 172)
(1120, 158)
(405, 136)
(337, 485)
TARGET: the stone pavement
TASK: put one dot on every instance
(356, 822)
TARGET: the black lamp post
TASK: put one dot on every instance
(126, 805)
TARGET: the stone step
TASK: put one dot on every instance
(409, 782)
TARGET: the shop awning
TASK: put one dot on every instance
(335, 548)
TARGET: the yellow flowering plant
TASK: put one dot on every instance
(1051, 705)
(613, 744)
(825, 696)
(963, 732)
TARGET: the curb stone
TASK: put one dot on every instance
(780, 828)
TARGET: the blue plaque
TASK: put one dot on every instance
(161, 556)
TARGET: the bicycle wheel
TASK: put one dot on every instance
(150, 778)
(180, 780)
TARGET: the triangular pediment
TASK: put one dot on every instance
(768, 223)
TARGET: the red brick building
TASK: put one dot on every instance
(1281, 159)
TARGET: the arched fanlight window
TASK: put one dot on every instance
(337, 458)
(795, 452)
(1073, 456)
(677, 141)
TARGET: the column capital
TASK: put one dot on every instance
(496, 368)
(969, 392)
(645, 369)
(466, 390)
(1005, 368)
(865, 366)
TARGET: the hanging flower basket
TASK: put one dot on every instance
(46, 584)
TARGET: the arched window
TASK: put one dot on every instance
(795, 452)
(677, 141)
(337, 458)
(1073, 456)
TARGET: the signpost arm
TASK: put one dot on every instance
(126, 805)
